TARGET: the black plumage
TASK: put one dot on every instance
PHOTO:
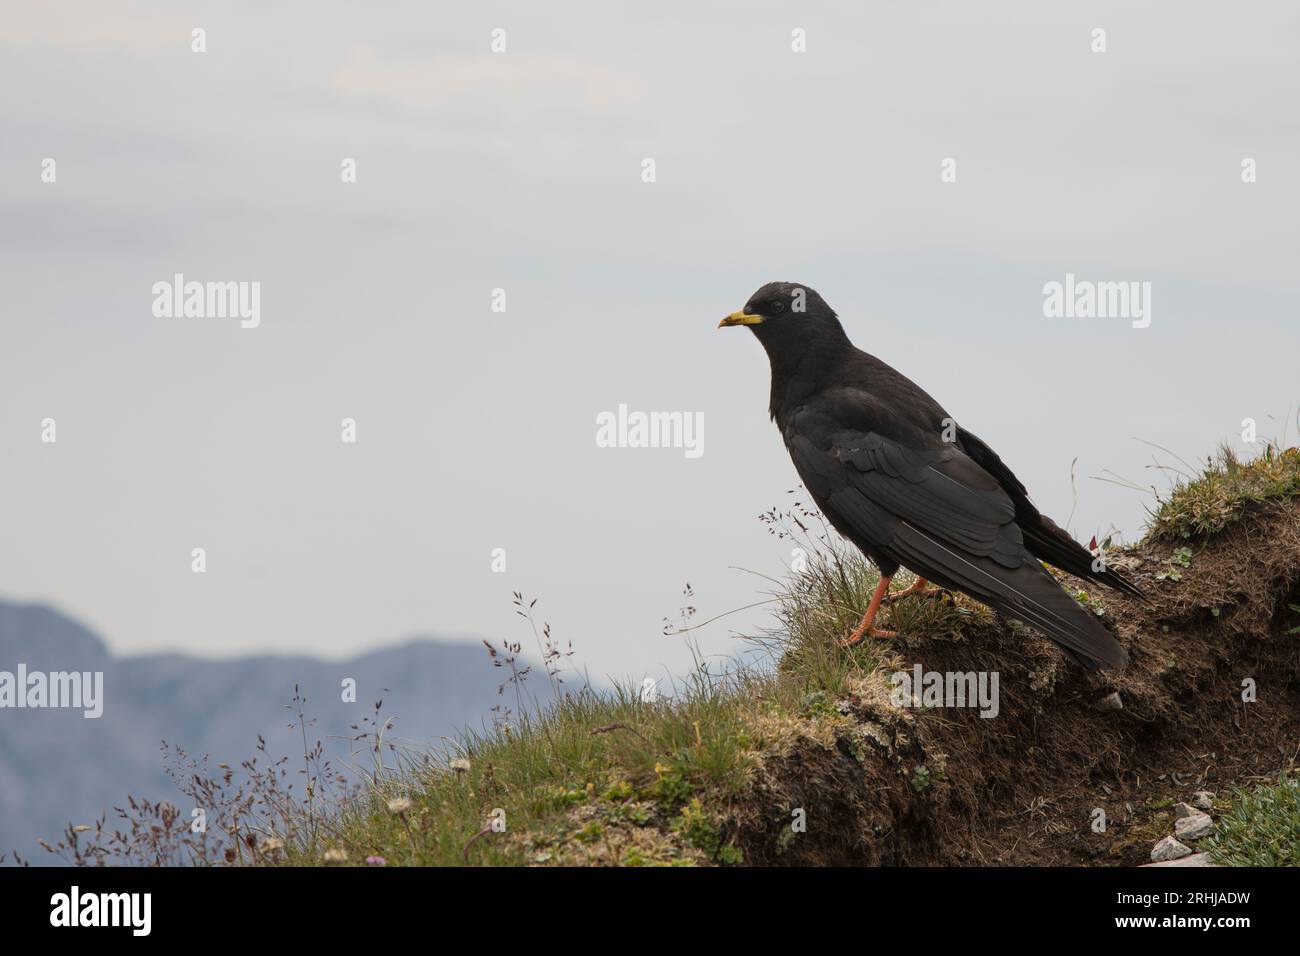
(895, 474)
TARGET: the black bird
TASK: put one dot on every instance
(895, 474)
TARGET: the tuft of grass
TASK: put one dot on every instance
(1261, 829)
(1226, 489)
(818, 605)
(824, 597)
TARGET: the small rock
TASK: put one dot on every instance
(1203, 799)
(1194, 827)
(1169, 849)
(1183, 810)
(1110, 702)
(1196, 859)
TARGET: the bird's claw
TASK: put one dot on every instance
(853, 640)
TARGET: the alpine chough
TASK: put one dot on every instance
(895, 474)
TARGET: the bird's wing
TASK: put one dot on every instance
(1044, 538)
(931, 507)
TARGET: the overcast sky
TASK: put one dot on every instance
(522, 170)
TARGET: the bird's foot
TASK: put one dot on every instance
(920, 587)
(865, 626)
(856, 638)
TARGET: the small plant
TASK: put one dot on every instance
(818, 704)
(1181, 558)
(1262, 828)
(700, 830)
(619, 790)
(672, 788)
(1093, 604)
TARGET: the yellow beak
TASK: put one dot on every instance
(741, 318)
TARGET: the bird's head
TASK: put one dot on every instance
(788, 317)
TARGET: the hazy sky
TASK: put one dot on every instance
(522, 170)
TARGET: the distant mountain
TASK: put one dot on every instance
(58, 767)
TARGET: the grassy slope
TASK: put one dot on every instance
(612, 779)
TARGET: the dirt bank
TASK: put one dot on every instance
(944, 786)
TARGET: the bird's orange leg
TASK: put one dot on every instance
(864, 628)
(919, 586)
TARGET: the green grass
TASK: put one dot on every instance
(1224, 491)
(1261, 829)
(610, 777)
(608, 751)
(823, 602)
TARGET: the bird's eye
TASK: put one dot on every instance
(777, 307)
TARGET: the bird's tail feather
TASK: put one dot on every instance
(1028, 593)
(1049, 542)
